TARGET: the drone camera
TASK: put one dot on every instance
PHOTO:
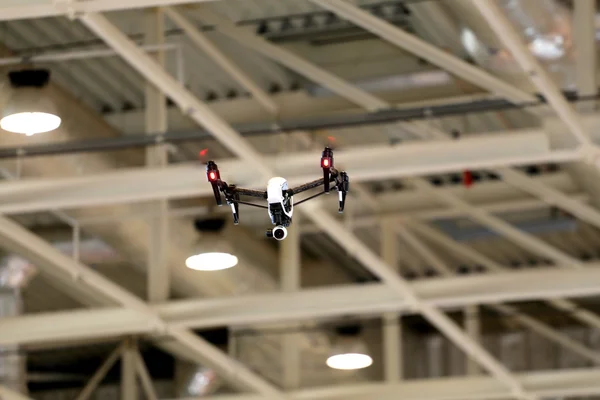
(278, 233)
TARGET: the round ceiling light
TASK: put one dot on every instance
(349, 361)
(212, 261)
(29, 110)
(350, 351)
(30, 123)
(213, 251)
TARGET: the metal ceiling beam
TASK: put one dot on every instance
(507, 34)
(158, 275)
(47, 8)
(550, 195)
(421, 48)
(403, 213)
(436, 317)
(547, 384)
(200, 40)
(296, 63)
(362, 164)
(584, 30)
(449, 293)
(185, 100)
(526, 241)
(202, 114)
(527, 321)
(46, 257)
(515, 235)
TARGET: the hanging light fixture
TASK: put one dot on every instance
(29, 111)
(213, 252)
(349, 351)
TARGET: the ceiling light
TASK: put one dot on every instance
(349, 351)
(29, 110)
(213, 252)
(349, 361)
(213, 261)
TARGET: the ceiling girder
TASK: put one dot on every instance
(448, 293)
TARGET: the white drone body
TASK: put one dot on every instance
(280, 206)
(279, 196)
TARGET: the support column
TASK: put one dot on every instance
(392, 327)
(100, 374)
(156, 156)
(129, 389)
(473, 329)
(289, 262)
(584, 31)
(12, 363)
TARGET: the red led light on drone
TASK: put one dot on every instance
(325, 163)
(212, 176)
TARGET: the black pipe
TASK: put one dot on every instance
(344, 121)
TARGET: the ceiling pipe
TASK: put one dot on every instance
(247, 130)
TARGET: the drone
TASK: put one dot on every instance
(279, 197)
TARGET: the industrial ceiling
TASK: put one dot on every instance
(466, 264)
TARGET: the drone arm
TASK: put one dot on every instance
(251, 193)
(313, 184)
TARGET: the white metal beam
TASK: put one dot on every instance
(526, 240)
(507, 34)
(290, 264)
(362, 164)
(472, 323)
(47, 8)
(129, 386)
(296, 63)
(417, 46)
(547, 384)
(100, 373)
(440, 320)
(157, 157)
(393, 355)
(185, 100)
(46, 257)
(584, 30)
(583, 211)
(525, 320)
(449, 293)
(145, 378)
(231, 139)
(516, 235)
(221, 59)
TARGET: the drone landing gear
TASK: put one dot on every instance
(233, 198)
(343, 185)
